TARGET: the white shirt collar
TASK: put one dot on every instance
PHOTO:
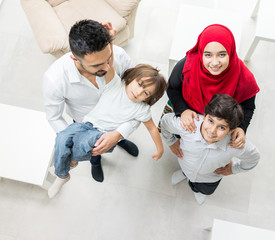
(73, 74)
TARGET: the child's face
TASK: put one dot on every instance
(214, 129)
(136, 92)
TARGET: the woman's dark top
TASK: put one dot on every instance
(174, 93)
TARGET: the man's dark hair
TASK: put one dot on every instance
(152, 77)
(225, 107)
(88, 36)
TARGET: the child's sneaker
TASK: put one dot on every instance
(200, 197)
(57, 185)
(177, 177)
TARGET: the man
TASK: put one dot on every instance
(77, 81)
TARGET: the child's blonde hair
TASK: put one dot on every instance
(153, 77)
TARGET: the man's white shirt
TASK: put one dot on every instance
(63, 84)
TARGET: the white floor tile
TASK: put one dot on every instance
(130, 213)
(5, 237)
(73, 212)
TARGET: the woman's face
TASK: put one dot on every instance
(215, 58)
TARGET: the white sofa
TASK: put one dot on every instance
(51, 20)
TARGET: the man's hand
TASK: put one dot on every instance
(226, 170)
(237, 138)
(175, 148)
(105, 142)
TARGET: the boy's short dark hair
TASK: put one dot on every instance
(88, 36)
(153, 78)
(225, 107)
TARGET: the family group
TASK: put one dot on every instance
(211, 103)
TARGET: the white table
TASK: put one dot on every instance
(264, 24)
(191, 22)
(27, 142)
(223, 230)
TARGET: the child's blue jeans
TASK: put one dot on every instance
(74, 143)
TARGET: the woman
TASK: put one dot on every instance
(210, 67)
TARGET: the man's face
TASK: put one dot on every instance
(97, 63)
(214, 129)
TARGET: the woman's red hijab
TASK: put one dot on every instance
(199, 85)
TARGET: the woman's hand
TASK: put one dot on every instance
(187, 121)
(175, 148)
(108, 25)
(237, 138)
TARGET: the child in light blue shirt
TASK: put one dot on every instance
(207, 156)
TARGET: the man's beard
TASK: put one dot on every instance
(99, 73)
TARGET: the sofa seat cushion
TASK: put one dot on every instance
(71, 11)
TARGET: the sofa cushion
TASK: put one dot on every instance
(48, 33)
(72, 11)
(123, 7)
(55, 2)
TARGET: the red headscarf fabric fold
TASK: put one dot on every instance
(199, 85)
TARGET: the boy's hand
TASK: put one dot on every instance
(175, 148)
(157, 155)
(237, 138)
(226, 170)
(187, 121)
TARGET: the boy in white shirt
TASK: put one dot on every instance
(207, 157)
(122, 100)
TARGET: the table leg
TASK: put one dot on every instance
(48, 181)
(251, 49)
(172, 63)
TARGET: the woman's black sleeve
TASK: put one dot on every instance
(174, 90)
(248, 110)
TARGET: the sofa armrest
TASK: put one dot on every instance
(55, 3)
(48, 30)
(124, 7)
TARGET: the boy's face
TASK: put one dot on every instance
(214, 129)
(137, 93)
